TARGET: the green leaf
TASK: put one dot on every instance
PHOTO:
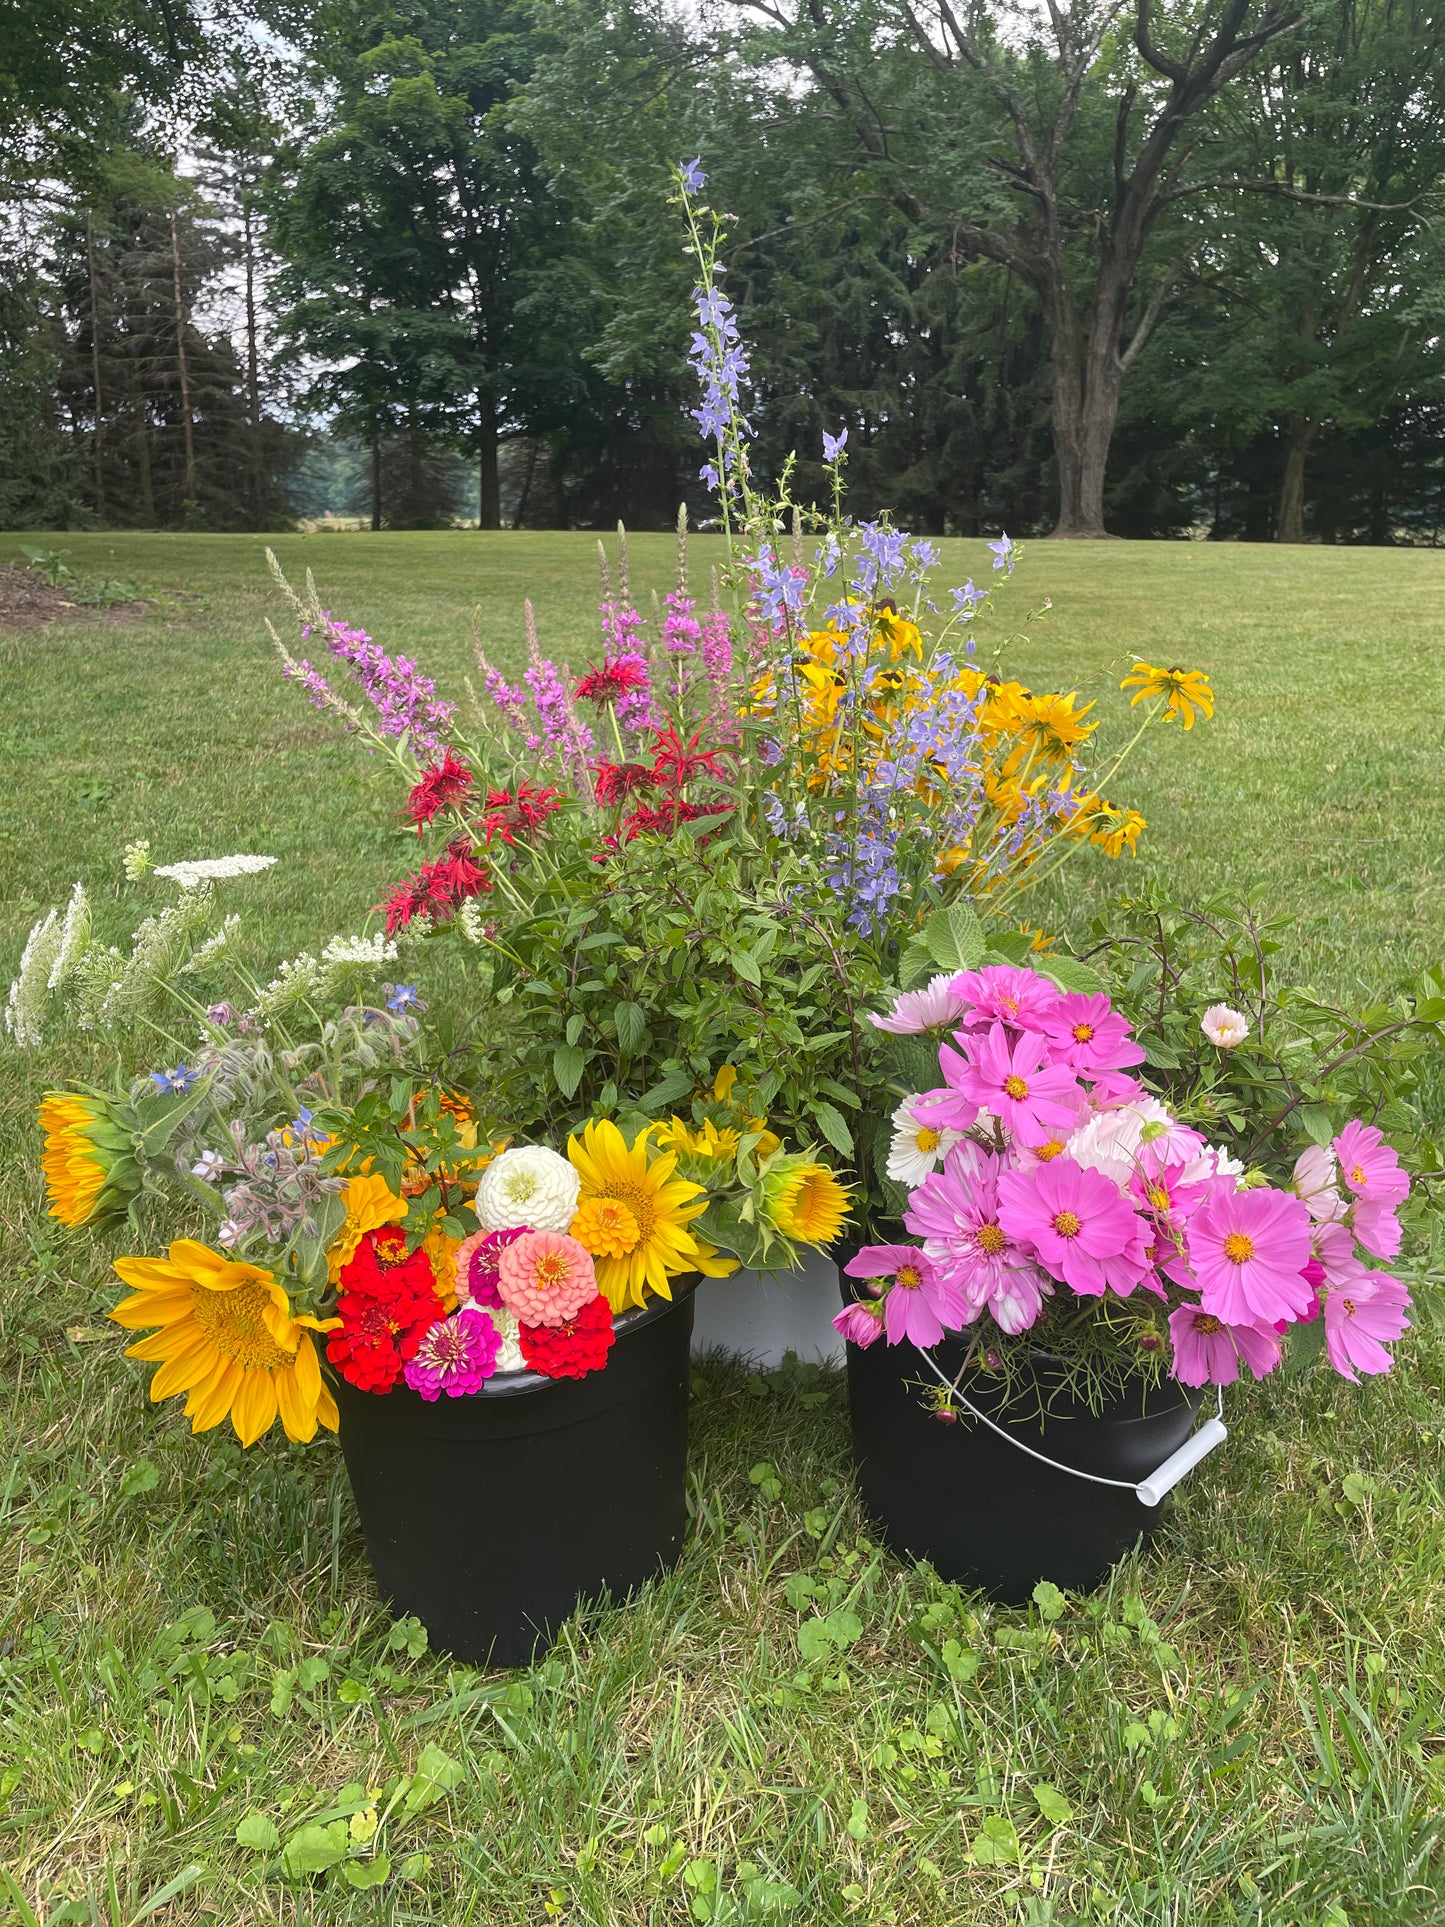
(915, 962)
(1069, 974)
(1049, 1600)
(997, 1843)
(631, 1027)
(568, 1064)
(960, 1662)
(746, 966)
(142, 1476)
(163, 1896)
(314, 1849)
(367, 1873)
(258, 1833)
(436, 1774)
(1052, 1804)
(667, 1090)
(954, 937)
(858, 1821)
(828, 1633)
(1359, 1488)
(833, 1125)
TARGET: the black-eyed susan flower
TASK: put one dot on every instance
(89, 1163)
(1183, 690)
(224, 1334)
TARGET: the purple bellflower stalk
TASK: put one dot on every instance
(405, 701)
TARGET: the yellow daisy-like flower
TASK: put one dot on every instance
(804, 1200)
(1184, 690)
(606, 1227)
(229, 1340)
(442, 1251)
(370, 1203)
(88, 1162)
(661, 1204)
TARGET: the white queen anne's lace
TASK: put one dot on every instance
(212, 869)
(529, 1186)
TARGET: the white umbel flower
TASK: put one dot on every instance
(74, 937)
(214, 946)
(25, 1005)
(529, 1186)
(137, 859)
(918, 1147)
(1224, 1026)
(213, 869)
(360, 950)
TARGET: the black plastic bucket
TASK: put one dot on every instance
(492, 1517)
(979, 1510)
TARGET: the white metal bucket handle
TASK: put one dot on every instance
(1148, 1491)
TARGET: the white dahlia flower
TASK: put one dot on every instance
(528, 1186)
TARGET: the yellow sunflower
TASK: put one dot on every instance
(643, 1257)
(229, 1340)
(90, 1169)
(1183, 690)
(804, 1200)
(370, 1203)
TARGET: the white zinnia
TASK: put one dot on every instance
(529, 1186)
(918, 1147)
(1224, 1026)
(509, 1355)
(360, 950)
(211, 869)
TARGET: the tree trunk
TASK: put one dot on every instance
(182, 366)
(1085, 409)
(490, 503)
(259, 506)
(375, 480)
(526, 493)
(143, 465)
(1289, 521)
(98, 440)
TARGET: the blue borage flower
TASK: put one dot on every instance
(180, 1079)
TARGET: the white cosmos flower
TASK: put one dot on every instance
(1224, 1026)
(938, 1004)
(211, 869)
(1315, 1173)
(918, 1147)
(1111, 1140)
(529, 1186)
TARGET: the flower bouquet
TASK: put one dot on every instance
(1074, 1261)
(381, 1263)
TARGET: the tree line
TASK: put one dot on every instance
(1140, 267)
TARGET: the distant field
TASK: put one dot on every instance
(1244, 1731)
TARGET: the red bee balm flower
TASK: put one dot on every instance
(387, 1304)
(509, 816)
(436, 889)
(445, 783)
(617, 781)
(663, 818)
(571, 1350)
(619, 676)
(677, 762)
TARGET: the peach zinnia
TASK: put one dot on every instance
(545, 1277)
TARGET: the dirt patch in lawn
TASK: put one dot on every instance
(28, 601)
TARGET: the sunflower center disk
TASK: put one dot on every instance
(233, 1321)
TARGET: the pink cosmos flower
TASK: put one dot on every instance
(1090, 1036)
(955, 1212)
(1361, 1319)
(1377, 1227)
(1013, 1080)
(1208, 1352)
(1315, 1173)
(1077, 1224)
(1007, 994)
(938, 1005)
(1112, 1088)
(920, 1304)
(1115, 1141)
(457, 1356)
(1168, 1199)
(545, 1278)
(860, 1323)
(1247, 1250)
(1333, 1250)
(949, 1107)
(1369, 1166)
(476, 1261)
(1018, 1301)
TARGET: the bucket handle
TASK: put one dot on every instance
(1148, 1491)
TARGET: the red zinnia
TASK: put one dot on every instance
(571, 1350)
(506, 815)
(442, 785)
(619, 676)
(437, 888)
(387, 1304)
(617, 781)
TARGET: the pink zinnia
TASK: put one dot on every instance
(1369, 1166)
(1012, 1080)
(1247, 1250)
(457, 1356)
(920, 1304)
(1357, 1319)
(1007, 994)
(1090, 1036)
(1077, 1224)
(860, 1323)
(545, 1278)
(476, 1261)
(1208, 1352)
(939, 1004)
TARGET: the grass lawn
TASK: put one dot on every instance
(1247, 1727)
